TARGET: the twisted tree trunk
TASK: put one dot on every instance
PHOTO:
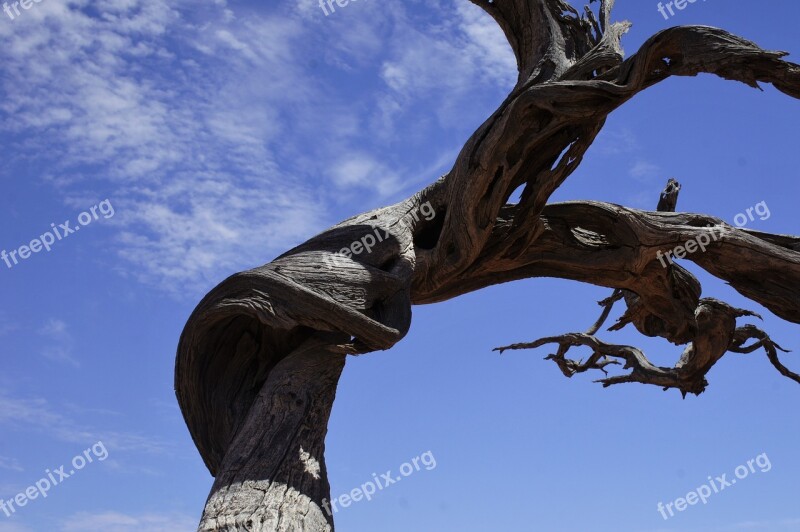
(260, 357)
(273, 475)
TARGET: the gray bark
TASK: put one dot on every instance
(273, 474)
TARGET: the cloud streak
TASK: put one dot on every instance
(38, 416)
(218, 136)
(119, 522)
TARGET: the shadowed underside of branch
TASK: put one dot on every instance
(249, 354)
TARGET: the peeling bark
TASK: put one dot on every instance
(260, 357)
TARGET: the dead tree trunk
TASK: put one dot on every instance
(273, 475)
(260, 357)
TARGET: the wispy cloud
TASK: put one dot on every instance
(622, 149)
(119, 522)
(10, 464)
(772, 525)
(37, 415)
(60, 343)
(178, 111)
(450, 62)
(645, 171)
(363, 170)
(445, 67)
(11, 527)
(615, 141)
(217, 135)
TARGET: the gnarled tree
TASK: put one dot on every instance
(260, 358)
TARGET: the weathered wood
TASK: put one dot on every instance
(260, 357)
(273, 475)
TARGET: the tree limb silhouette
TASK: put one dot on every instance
(260, 357)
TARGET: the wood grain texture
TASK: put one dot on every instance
(260, 357)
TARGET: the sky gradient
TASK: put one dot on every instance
(223, 133)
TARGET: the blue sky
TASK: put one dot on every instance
(223, 133)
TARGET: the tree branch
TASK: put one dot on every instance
(717, 334)
(541, 132)
(618, 247)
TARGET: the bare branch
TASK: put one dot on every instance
(607, 304)
(539, 135)
(618, 247)
(750, 332)
(549, 37)
(717, 334)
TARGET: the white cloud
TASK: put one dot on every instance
(183, 132)
(59, 348)
(10, 464)
(645, 171)
(54, 328)
(119, 522)
(615, 142)
(210, 131)
(446, 68)
(37, 415)
(474, 50)
(773, 526)
(776, 525)
(363, 170)
(11, 527)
